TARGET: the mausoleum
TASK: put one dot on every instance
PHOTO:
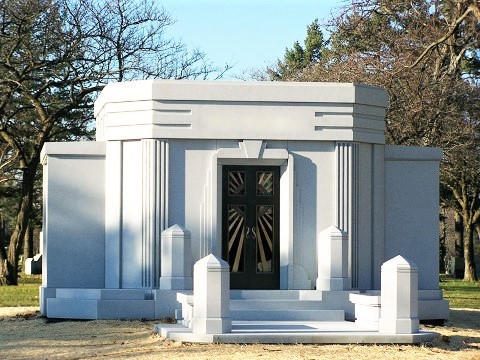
(290, 183)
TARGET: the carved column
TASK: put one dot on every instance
(346, 188)
(154, 207)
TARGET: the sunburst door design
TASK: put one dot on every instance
(264, 183)
(264, 238)
(250, 226)
(236, 237)
(236, 183)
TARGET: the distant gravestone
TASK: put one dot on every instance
(33, 266)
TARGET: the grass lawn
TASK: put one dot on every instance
(25, 294)
(460, 294)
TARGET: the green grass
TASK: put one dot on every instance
(25, 294)
(459, 293)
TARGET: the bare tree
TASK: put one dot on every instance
(55, 56)
(426, 54)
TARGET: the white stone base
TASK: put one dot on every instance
(211, 325)
(367, 308)
(294, 332)
(107, 303)
(398, 326)
(431, 306)
(186, 300)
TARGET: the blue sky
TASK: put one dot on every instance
(245, 33)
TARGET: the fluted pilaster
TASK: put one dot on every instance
(154, 207)
(346, 214)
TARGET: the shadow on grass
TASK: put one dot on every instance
(464, 319)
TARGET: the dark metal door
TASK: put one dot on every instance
(251, 226)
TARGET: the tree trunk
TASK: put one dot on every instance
(2, 230)
(10, 268)
(458, 235)
(470, 272)
(442, 246)
(36, 240)
(28, 245)
(3, 254)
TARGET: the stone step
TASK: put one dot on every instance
(102, 294)
(285, 305)
(276, 295)
(100, 309)
(291, 315)
(288, 305)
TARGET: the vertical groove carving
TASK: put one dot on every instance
(154, 207)
(206, 230)
(355, 210)
(347, 201)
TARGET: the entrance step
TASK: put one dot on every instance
(288, 315)
(276, 295)
(282, 305)
(276, 305)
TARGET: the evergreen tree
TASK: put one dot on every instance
(298, 58)
(426, 54)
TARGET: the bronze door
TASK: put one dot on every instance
(250, 226)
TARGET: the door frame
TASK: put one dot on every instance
(213, 211)
(250, 277)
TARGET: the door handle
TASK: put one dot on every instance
(251, 233)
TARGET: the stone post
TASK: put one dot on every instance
(211, 296)
(332, 258)
(176, 259)
(399, 297)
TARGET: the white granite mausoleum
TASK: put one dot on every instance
(290, 183)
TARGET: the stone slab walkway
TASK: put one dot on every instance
(291, 332)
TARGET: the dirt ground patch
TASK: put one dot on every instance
(25, 334)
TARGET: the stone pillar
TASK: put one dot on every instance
(399, 294)
(332, 259)
(211, 296)
(154, 206)
(136, 211)
(347, 201)
(176, 253)
(113, 214)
